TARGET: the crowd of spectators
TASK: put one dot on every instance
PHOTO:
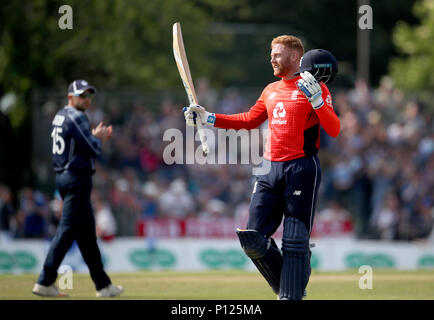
(379, 172)
(381, 166)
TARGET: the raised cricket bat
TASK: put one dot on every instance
(184, 72)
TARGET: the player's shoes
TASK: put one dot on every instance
(304, 295)
(48, 291)
(109, 291)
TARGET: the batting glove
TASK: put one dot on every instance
(310, 87)
(195, 112)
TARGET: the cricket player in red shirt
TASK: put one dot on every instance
(295, 106)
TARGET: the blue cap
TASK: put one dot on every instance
(77, 87)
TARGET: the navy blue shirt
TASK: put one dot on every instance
(74, 146)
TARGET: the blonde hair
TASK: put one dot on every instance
(291, 42)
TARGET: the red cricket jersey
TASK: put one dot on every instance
(293, 125)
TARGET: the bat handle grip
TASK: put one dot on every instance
(205, 146)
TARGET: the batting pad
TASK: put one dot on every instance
(264, 253)
(296, 260)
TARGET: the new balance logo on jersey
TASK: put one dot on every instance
(294, 94)
(297, 193)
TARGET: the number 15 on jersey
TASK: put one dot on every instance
(58, 141)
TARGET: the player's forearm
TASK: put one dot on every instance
(246, 120)
(237, 121)
(329, 120)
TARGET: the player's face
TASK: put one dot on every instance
(82, 101)
(282, 60)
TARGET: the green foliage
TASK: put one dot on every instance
(112, 43)
(413, 71)
(128, 43)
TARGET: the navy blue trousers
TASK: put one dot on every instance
(77, 223)
(289, 189)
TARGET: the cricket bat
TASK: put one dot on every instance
(184, 72)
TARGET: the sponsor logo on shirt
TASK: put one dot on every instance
(278, 113)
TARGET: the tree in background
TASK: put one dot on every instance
(328, 24)
(414, 70)
(112, 44)
(115, 43)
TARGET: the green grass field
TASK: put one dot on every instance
(236, 285)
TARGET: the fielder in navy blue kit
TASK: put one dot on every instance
(75, 146)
